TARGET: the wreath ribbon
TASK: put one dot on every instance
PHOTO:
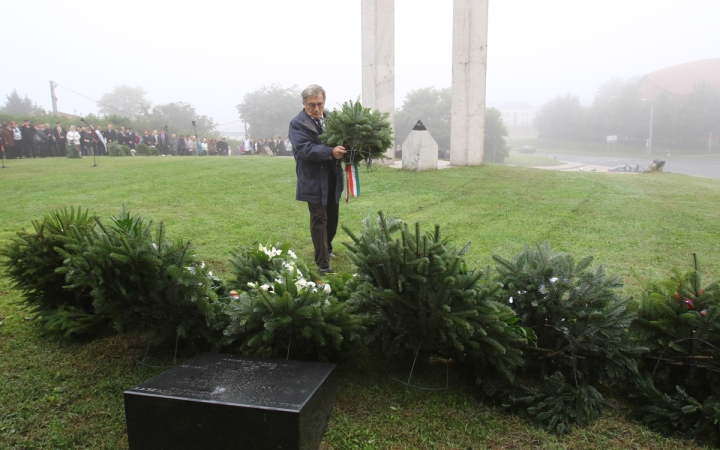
(352, 176)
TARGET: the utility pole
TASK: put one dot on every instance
(52, 97)
(652, 105)
(710, 143)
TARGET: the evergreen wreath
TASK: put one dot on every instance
(421, 296)
(581, 325)
(679, 391)
(366, 134)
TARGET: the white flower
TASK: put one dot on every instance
(511, 300)
(252, 285)
(191, 270)
(300, 284)
(154, 245)
(310, 284)
(327, 302)
(300, 273)
(292, 254)
(326, 289)
(553, 279)
(279, 280)
(210, 273)
(202, 264)
(264, 287)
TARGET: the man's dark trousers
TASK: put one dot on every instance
(323, 224)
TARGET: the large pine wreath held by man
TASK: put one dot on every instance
(366, 135)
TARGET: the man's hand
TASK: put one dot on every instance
(338, 152)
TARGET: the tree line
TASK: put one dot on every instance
(267, 111)
(125, 106)
(618, 109)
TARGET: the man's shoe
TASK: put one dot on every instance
(325, 270)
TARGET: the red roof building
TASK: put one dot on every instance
(680, 80)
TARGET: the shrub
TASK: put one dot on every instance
(290, 315)
(73, 151)
(580, 322)
(141, 281)
(114, 149)
(32, 260)
(125, 150)
(258, 264)
(420, 294)
(142, 149)
(679, 320)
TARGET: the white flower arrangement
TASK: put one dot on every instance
(273, 252)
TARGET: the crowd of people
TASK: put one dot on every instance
(42, 140)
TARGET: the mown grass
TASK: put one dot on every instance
(58, 394)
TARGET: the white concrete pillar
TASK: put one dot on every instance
(469, 65)
(378, 58)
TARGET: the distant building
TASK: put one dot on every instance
(680, 80)
(517, 114)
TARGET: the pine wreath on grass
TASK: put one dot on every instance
(420, 294)
(679, 320)
(582, 341)
(366, 134)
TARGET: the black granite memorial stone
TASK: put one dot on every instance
(216, 401)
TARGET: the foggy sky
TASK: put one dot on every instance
(210, 53)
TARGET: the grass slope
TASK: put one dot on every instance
(68, 394)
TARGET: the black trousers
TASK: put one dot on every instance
(323, 227)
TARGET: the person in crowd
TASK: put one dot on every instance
(288, 147)
(222, 147)
(40, 141)
(28, 133)
(17, 136)
(194, 146)
(147, 139)
(172, 145)
(73, 137)
(8, 141)
(314, 160)
(131, 139)
(247, 145)
(212, 147)
(87, 141)
(155, 139)
(122, 136)
(110, 134)
(60, 135)
(51, 146)
(162, 141)
(182, 147)
(398, 151)
(189, 145)
(201, 147)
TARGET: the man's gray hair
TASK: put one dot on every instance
(312, 91)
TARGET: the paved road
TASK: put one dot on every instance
(700, 167)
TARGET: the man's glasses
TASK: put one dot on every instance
(316, 105)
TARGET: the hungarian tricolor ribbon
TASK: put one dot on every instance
(353, 181)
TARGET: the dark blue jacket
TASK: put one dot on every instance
(312, 161)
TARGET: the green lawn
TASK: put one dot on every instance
(69, 394)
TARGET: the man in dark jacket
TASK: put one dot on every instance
(59, 134)
(28, 135)
(319, 173)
